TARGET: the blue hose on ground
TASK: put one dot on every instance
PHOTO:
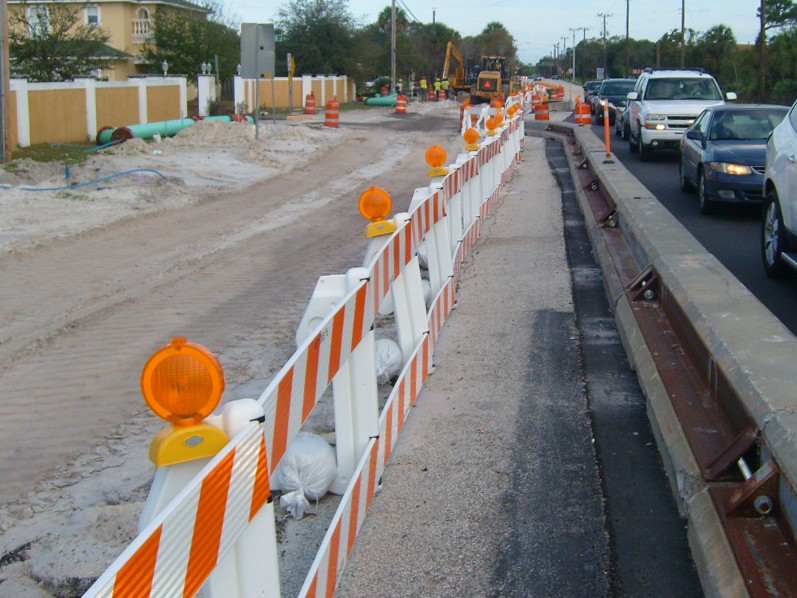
(94, 182)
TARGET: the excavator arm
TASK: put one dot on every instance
(459, 73)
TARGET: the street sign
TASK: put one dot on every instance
(257, 50)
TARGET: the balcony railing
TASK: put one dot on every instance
(143, 30)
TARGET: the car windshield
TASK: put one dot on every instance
(593, 86)
(617, 88)
(745, 124)
(682, 88)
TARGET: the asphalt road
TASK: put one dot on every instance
(732, 234)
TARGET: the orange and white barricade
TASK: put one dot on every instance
(209, 522)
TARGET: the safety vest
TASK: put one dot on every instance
(445, 84)
(423, 84)
(437, 85)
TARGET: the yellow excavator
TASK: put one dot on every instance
(457, 76)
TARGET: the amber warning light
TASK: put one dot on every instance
(471, 137)
(183, 383)
(375, 205)
(436, 157)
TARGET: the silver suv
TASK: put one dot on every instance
(664, 104)
(779, 226)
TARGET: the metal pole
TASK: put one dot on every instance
(393, 46)
(290, 84)
(257, 84)
(683, 32)
(627, 46)
(573, 74)
(5, 151)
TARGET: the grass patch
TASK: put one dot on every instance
(46, 152)
(72, 196)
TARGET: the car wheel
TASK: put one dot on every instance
(645, 151)
(686, 184)
(705, 204)
(626, 131)
(773, 238)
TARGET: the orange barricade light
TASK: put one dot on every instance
(491, 127)
(436, 157)
(499, 118)
(375, 205)
(513, 109)
(183, 383)
(471, 136)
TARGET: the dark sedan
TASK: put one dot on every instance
(723, 153)
(612, 92)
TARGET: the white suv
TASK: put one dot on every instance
(664, 104)
(779, 226)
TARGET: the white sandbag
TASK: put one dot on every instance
(423, 258)
(305, 472)
(389, 360)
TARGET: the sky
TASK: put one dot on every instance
(538, 25)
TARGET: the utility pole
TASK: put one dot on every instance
(627, 44)
(683, 32)
(574, 29)
(556, 59)
(762, 53)
(573, 74)
(605, 57)
(393, 46)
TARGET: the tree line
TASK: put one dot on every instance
(323, 37)
(765, 71)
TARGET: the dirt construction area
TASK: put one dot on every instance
(225, 251)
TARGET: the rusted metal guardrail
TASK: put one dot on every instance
(717, 370)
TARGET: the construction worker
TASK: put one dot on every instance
(445, 85)
(424, 88)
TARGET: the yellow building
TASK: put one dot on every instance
(130, 24)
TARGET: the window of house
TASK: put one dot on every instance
(38, 19)
(92, 15)
(142, 13)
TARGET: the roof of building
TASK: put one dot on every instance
(177, 3)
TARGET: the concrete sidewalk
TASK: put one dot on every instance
(493, 487)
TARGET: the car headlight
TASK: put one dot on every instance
(656, 122)
(726, 168)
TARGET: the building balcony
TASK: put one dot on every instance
(143, 30)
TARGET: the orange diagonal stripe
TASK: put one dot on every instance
(208, 525)
(135, 577)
